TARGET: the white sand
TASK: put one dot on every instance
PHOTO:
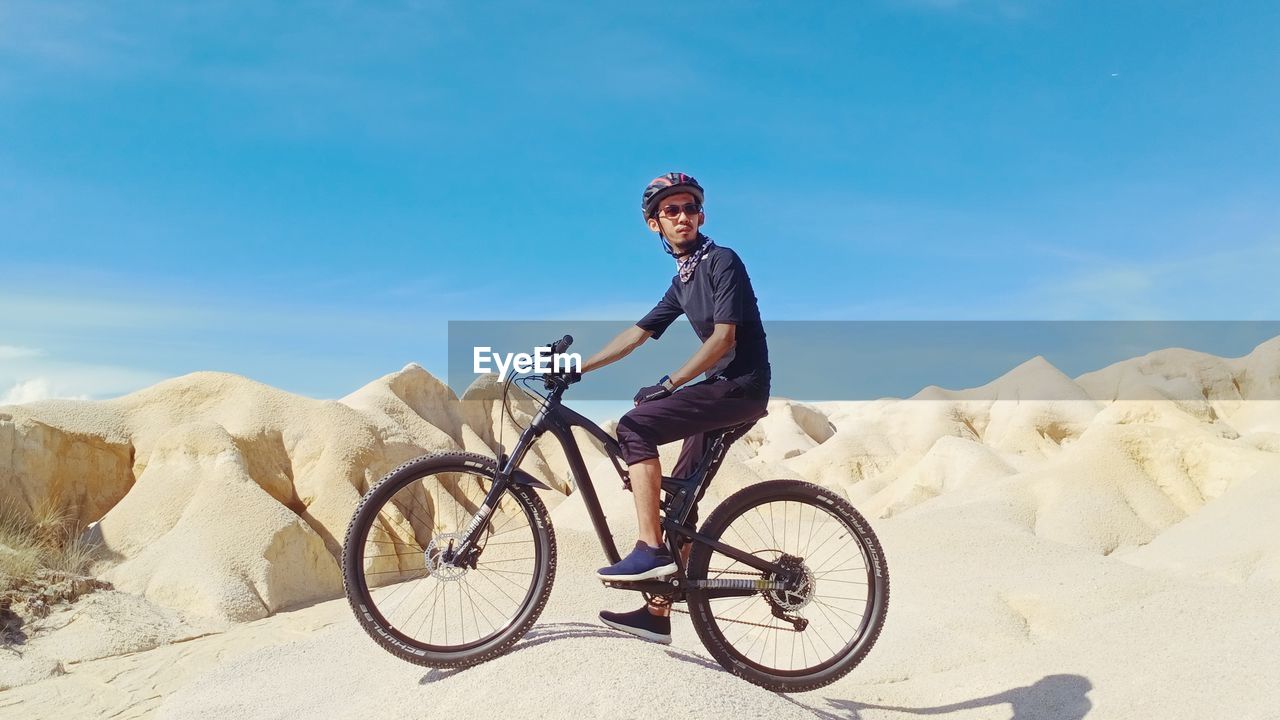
(1081, 557)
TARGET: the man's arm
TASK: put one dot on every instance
(723, 337)
(617, 348)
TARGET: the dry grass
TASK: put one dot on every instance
(42, 561)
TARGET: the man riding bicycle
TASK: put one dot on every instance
(773, 608)
(712, 289)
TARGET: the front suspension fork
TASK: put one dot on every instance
(467, 551)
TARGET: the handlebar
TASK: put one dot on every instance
(561, 345)
(553, 380)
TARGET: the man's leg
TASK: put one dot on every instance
(687, 413)
(646, 487)
(664, 610)
(691, 452)
(649, 559)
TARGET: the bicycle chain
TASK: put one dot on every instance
(672, 608)
(740, 622)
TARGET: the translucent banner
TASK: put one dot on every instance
(868, 360)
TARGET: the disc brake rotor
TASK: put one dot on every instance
(435, 553)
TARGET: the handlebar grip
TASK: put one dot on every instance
(561, 345)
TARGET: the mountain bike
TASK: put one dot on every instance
(449, 559)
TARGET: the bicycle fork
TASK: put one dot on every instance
(467, 552)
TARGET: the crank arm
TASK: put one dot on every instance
(654, 587)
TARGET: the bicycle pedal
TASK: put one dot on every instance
(671, 580)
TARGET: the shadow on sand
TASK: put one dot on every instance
(543, 633)
(11, 632)
(1053, 697)
(549, 632)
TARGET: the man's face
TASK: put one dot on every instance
(682, 229)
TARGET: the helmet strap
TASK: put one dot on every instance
(666, 246)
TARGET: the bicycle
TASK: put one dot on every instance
(475, 527)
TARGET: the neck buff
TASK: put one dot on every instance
(689, 262)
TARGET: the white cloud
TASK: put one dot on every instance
(33, 390)
(1220, 284)
(13, 352)
(29, 374)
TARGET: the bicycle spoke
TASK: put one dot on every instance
(845, 582)
(837, 609)
(431, 614)
(832, 554)
(467, 583)
(505, 572)
(385, 572)
(422, 602)
(400, 586)
(839, 568)
(806, 534)
(829, 620)
(735, 606)
(498, 587)
(412, 554)
(446, 614)
(424, 518)
(813, 527)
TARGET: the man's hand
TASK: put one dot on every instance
(653, 392)
(563, 378)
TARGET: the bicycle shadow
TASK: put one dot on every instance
(539, 634)
(1053, 697)
(695, 660)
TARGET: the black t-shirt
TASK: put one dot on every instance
(719, 292)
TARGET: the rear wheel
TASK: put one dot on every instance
(407, 594)
(821, 627)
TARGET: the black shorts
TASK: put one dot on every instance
(695, 409)
(690, 413)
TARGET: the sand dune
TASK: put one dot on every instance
(1059, 546)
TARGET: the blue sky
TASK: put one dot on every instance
(305, 193)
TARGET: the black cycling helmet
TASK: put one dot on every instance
(665, 185)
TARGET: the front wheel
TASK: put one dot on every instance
(408, 595)
(817, 631)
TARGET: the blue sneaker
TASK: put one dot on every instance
(641, 623)
(644, 563)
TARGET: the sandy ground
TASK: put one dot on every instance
(1111, 553)
(1079, 636)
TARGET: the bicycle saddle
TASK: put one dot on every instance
(733, 432)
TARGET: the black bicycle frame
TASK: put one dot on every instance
(682, 495)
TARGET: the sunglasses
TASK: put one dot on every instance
(671, 212)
